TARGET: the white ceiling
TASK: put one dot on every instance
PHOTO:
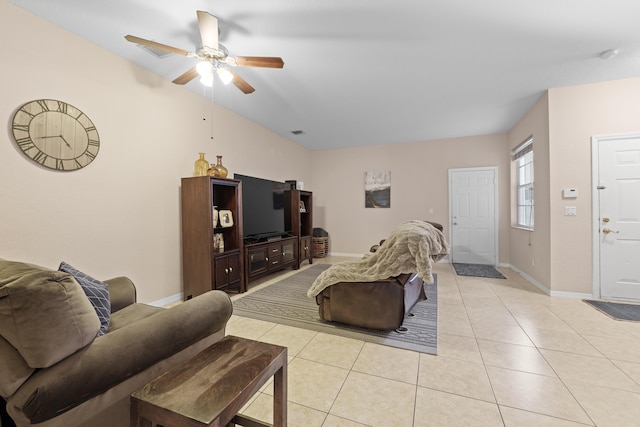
(361, 72)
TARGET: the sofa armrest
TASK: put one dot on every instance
(121, 354)
(122, 292)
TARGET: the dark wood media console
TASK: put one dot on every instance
(267, 257)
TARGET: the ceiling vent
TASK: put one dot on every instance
(153, 51)
(297, 132)
(609, 54)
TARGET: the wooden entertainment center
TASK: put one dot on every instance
(206, 266)
(268, 257)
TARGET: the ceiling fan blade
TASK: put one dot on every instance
(155, 45)
(186, 77)
(208, 29)
(242, 83)
(260, 61)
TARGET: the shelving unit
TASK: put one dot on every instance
(268, 257)
(298, 219)
(204, 267)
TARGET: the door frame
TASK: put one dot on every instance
(595, 204)
(496, 213)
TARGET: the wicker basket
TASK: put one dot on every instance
(320, 247)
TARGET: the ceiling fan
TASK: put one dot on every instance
(213, 57)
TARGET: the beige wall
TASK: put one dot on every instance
(121, 214)
(563, 123)
(419, 187)
(530, 250)
(576, 114)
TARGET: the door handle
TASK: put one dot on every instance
(608, 230)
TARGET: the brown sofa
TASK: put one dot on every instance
(54, 369)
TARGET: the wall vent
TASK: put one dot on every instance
(153, 51)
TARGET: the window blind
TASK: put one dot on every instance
(523, 148)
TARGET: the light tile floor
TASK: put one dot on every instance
(508, 355)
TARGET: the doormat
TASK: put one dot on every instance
(286, 303)
(617, 310)
(477, 270)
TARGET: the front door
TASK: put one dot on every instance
(617, 180)
(472, 200)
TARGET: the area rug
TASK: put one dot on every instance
(477, 270)
(617, 310)
(286, 303)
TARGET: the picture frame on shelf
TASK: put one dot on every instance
(226, 218)
(215, 216)
(218, 242)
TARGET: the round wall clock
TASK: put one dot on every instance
(55, 134)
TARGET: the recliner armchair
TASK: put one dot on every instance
(378, 290)
(381, 304)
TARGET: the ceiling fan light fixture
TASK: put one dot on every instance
(204, 68)
(225, 75)
(207, 80)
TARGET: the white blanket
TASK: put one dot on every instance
(411, 248)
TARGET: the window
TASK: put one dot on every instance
(523, 158)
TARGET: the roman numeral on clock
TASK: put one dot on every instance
(62, 107)
(24, 128)
(40, 157)
(25, 143)
(43, 104)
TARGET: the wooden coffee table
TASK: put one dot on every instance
(213, 386)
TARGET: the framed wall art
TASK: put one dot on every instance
(377, 189)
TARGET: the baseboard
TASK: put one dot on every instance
(546, 290)
(571, 295)
(166, 301)
(529, 279)
(346, 254)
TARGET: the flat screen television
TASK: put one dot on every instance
(262, 207)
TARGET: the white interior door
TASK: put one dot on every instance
(472, 204)
(618, 217)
